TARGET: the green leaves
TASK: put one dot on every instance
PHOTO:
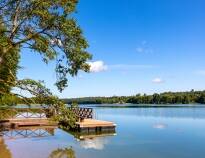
(36, 24)
(48, 28)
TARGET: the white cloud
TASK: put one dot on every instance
(201, 72)
(95, 143)
(97, 66)
(160, 126)
(144, 48)
(157, 80)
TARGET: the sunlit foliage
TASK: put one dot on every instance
(163, 98)
(45, 27)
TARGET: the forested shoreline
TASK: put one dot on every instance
(189, 97)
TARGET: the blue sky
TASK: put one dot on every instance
(138, 46)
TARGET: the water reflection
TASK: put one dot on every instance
(13, 135)
(13, 142)
(93, 140)
(4, 151)
(28, 132)
(63, 153)
(193, 112)
(146, 133)
(48, 142)
(94, 143)
(160, 126)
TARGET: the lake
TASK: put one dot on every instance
(171, 132)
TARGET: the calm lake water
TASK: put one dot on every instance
(170, 132)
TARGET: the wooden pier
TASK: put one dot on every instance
(91, 125)
(17, 123)
(15, 118)
(22, 117)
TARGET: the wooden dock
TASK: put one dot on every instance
(92, 125)
(15, 118)
(85, 125)
(16, 123)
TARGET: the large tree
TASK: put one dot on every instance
(47, 27)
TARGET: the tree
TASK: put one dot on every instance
(46, 27)
(74, 104)
(201, 99)
(156, 98)
(185, 100)
(178, 99)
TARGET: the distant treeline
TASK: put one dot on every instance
(162, 98)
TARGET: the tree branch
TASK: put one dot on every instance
(15, 19)
(30, 37)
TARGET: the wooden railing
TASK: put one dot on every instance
(15, 113)
(83, 113)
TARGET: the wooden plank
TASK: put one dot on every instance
(28, 119)
(92, 123)
(21, 122)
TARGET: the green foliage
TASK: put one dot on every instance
(163, 98)
(97, 100)
(66, 118)
(9, 100)
(201, 98)
(43, 96)
(74, 104)
(6, 113)
(9, 59)
(45, 27)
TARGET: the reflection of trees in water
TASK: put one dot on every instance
(63, 153)
(4, 151)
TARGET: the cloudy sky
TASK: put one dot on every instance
(138, 46)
